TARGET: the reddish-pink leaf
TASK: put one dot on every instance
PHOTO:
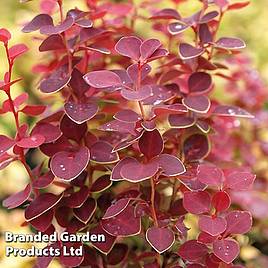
(148, 47)
(197, 202)
(151, 143)
(177, 27)
(166, 13)
(192, 250)
(80, 112)
(33, 110)
(86, 211)
(68, 165)
(240, 180)
(187, 51)
(137, 172)
(116, 208)
(49, 131)
(226, 249)
(128, 116)
(120, 126)
(199, 82)
(37, 22)
(17, 199)
(44, 180)
(101, 152)
(102, 79)
(117, 254)
(238, 222)
(133, 72)
(17, 50)
(221, 201)
(169, 109)
(229, 110)
(139, 95)
(238, 5)
(180, 121)
(124, 224)
(198, 104)
(212, 225)
(161, 239)
(77, 199)
(210, 174)
(209, 16)
(170, 165)
(31, 142)
(206, 238)
(106, 246)
(71, 260)
(4, 35)
(115, 175)
(230, 43)
(41, 204)
(129, 46)
(5, 144)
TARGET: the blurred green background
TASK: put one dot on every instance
(249, 24)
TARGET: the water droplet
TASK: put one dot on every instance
(226, 254)
(231, 111)
(178, 26)
(227, 247)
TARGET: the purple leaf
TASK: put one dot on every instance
(226, 249)
(198, 104)
(161, 239)
(180, 121)
(115, 175)
(229, 110)
(53, 42)
(129, 46)
(77, 199)
(139, 95)
(209, 174)
(37, 23)
(133, 72)
(240, 181)
(238, 222)
(101, 152)
(68, 165)
(78, 84)
(49, 131)
(102, 79)
(117, 254)
(230, 43)
(187, 51)
(166, 13)
(80, 112)
(170, 109)
(137, 172)
(199, 82)
(42, 222)
(148, 47)
(170, 165)
(17, 199)
(51, 29)
(120, 126)
(101, 184)
(209, 16)
(84, 23)
(44, 180)
(177, 27)
(41, 204)
(124, 224)
(5, 144)
(212, 225)
(151, 143)
(116, 208)
(197, 202)
(159, 95)
(69, 260)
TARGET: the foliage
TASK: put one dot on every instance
(137, 120)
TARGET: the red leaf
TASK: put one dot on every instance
(44, 180)
(124, 224)
(118, 254)
(199, 82)
(229, 110)
(101, 184)
(31, 142)
(161, 239)
(33, 110)
(17, 199)
(116, 175)
(238, 222)
(151, 143)
(192, 250)
(41, 204)
(212, 225)
(221, 201)
(226, 249)
(49, 131)
(139, 95)
(196, 202)
(4, 35)
(102, 79)
(37, 22)
(198, 104)
(177, 27)
(53, 42)
(5, 144)
(230, 43)
(129, 46)
(42, 222)
(240, 5)
(86, 211)
(180, 121)
(240, 180)
(78, 198)
(209, 174)
(166, 13)
(148, 47)
(128, 116)
(62, 27)
(116, 208)
(187, 51)
(17, 50)
(68, 165)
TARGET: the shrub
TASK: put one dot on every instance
(140, 144)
